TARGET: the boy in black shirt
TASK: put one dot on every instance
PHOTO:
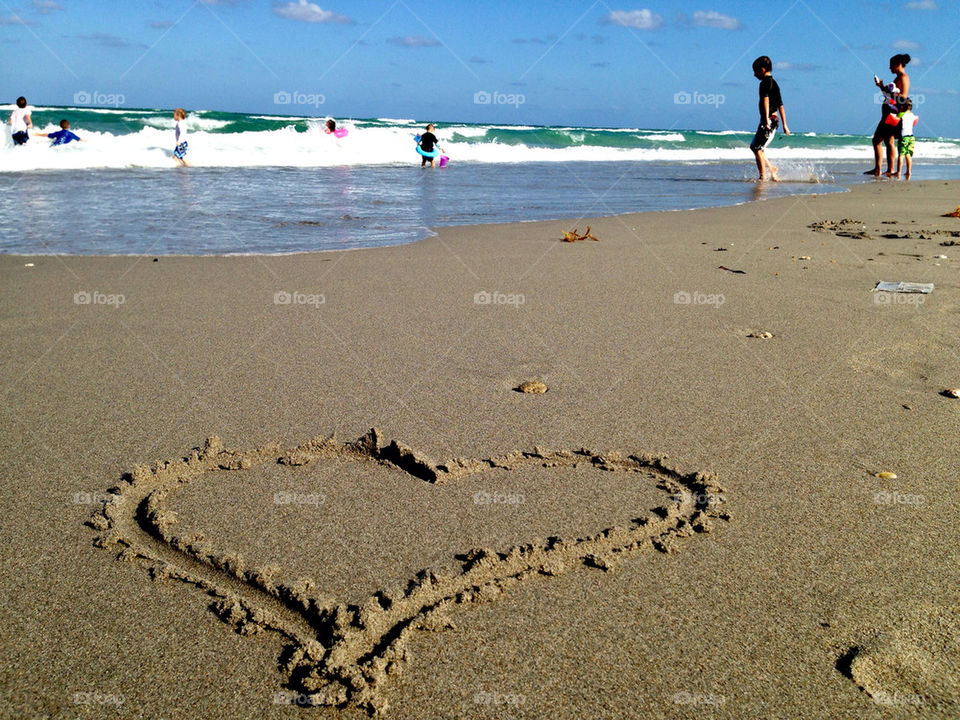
(771, 114)
(427, 141)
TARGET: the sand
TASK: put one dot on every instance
(200, 521)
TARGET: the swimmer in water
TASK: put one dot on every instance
(62, 136)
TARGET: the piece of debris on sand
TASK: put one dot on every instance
(532, 386)
(574, 235)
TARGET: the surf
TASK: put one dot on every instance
(121, 138)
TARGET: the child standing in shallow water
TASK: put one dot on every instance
(772, 113)
(427, 141)
(180, 135)
(907, 121)
(20, 122)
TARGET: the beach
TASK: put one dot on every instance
(773, 574)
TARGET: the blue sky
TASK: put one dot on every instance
(557, 62)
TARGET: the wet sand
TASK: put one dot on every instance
(687, 523)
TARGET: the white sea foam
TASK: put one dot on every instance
(289, 118)
(68, 110)
(384, 145)
(194, 123)
(665, 137)
(468, 131)
(527, 127)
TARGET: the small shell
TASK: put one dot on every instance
(952, 392)
(28, 265)
(886, 475)
(764, 335)
(532, 386)
(803, 257)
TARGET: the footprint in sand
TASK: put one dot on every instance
(846, 227)
(914, 664)
(341, 654)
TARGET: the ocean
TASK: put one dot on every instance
(279, 184)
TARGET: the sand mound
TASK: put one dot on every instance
(338, 653)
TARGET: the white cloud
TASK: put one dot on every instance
(907, 45)
(15, 20)
(413, 41)
(45, 7)
(308, 12)
(952, 92)
(639, 19)
(800, 67)
(715, 20)
(109, 41)
(922, 5)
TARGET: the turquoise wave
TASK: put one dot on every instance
(124, 121)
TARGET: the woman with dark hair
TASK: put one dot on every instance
(894, 99)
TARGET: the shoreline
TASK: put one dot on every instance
(827, 591)
(269, 226)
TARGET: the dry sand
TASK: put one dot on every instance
(488, 552)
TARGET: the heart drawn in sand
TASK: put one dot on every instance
(340, 654)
